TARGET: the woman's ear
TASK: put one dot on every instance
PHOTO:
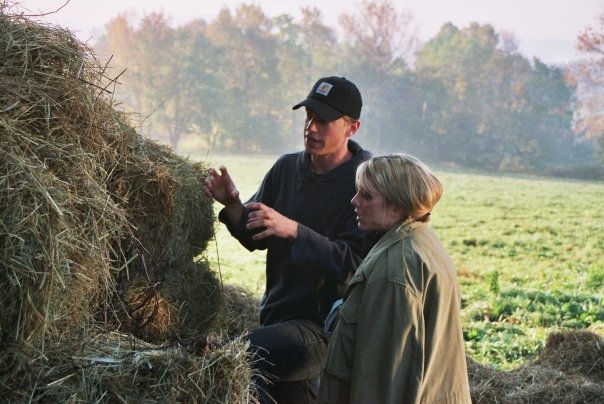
(396, 213)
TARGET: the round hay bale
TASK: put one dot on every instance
(171, 217)
(240, 311)
(57, 221)
(580, 352)
(183, 302)
(85, 202)
(115, 367)
(568, 370)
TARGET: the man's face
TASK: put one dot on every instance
(324, 138)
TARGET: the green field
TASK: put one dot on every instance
(529, 254)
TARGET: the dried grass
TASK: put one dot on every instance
(58, 222)
(185, 303)
(240, 311)
(115, 367)
(569, 370)
(98, 230)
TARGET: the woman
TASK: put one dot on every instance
(398, 338)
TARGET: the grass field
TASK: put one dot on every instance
(529, 254)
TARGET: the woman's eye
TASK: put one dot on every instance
(366, 195)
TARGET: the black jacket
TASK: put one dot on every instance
(302, 275)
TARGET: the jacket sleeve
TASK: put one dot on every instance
(243, 235)
(336, 258)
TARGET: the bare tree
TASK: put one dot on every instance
(590, 83)
(381, 33)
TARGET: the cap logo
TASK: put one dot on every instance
(324, 88)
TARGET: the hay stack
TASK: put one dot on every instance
(579, 352)
(570, 369)
(98, 230)
(115, 367)
(240, 312)
(58, 221)
(181, 302)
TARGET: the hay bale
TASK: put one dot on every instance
(240, 311)
(577, 352)
(115, 367)
(184, 303)
(95, 197)
(172, 218)
(567, 371)
(163, 295)
(57, 222)
(88, 209)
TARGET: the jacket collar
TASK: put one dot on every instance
(393, 235)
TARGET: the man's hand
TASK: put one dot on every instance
(222, 188)
(273, 222)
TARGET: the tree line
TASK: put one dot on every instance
(466, 97)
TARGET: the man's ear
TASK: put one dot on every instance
(353, 128)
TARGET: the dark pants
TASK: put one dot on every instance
(289, 356)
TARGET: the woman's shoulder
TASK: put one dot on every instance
(416, 256)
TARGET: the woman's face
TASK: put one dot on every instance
(373, 214)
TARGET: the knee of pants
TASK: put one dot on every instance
(289, 351)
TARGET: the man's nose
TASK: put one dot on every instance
(309, 122)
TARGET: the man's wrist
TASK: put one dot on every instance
(294, 232)
(233, 211)
(233, 204)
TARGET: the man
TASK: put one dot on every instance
(303, 216)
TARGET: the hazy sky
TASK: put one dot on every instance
(544, 28)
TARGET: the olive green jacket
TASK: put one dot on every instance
(399, 338)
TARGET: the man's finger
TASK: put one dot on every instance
(253, 205)
(224, 172)
(263, 234)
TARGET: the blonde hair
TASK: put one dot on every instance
(404, 182)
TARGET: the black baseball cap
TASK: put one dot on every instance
(333, 97)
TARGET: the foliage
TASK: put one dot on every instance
(500, 112)
(466, 97)
(590, 78)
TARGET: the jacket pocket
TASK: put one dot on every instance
(342, 344)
